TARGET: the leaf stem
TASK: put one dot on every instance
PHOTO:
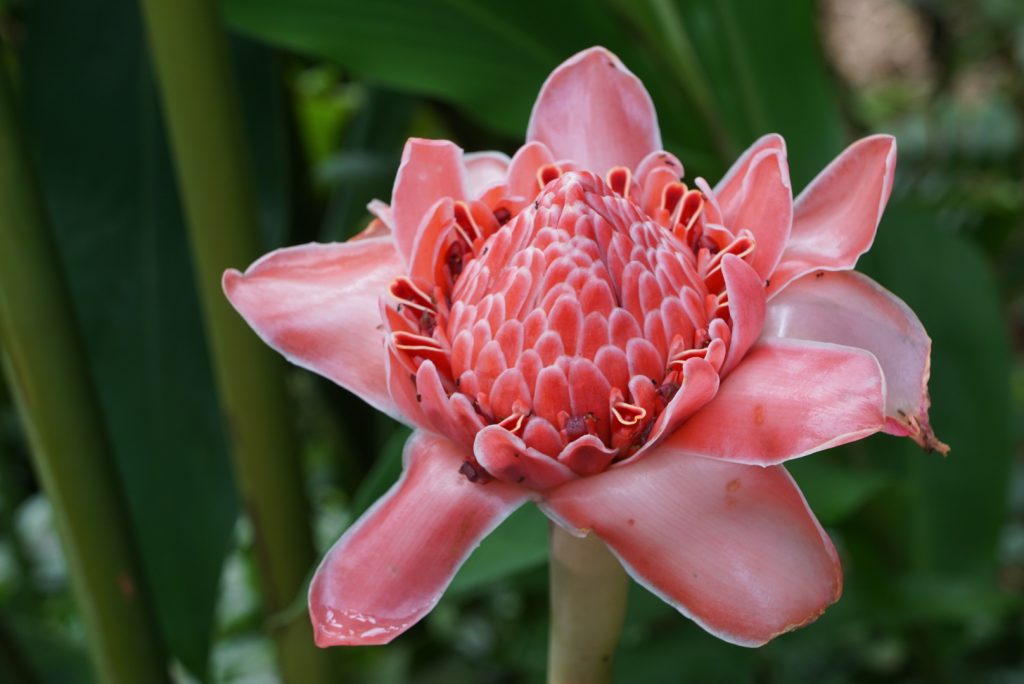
(588, 607)
(200, 101)
(45, 364)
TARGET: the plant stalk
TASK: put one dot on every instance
(588, 607)
(46, 366)
(200, 101)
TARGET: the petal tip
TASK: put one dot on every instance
(230, 280)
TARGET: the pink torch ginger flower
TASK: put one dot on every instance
(577, 327)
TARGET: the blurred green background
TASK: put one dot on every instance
(933, 548)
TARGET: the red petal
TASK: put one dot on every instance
(318, 306)
(849, 308)
(836, 216)
(594, 111)
(391, 567)
(732, 547)
(787, 399)
(430, 170)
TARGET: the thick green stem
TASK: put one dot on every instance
(46, 366)
(588, 606)
(200, 101)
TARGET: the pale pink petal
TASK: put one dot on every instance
(483, 170)
(596, 112)
(430, 170)
(836, 216)
(746, 308)
(788, 398)
(522, 171)
(764, 206)
(659, 159)
(391, 567)
(731, 184)
(849, 308)
(318, 306)
(733, 547)
(382, 210)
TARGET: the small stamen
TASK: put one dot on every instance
(408, 293)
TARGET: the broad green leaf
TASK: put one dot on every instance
(96, 133)
(487, 57)
(519, 543)
(769, 79)
(836, 489)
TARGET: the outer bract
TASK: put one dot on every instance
(577, 327)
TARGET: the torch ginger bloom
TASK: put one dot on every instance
(578, 328)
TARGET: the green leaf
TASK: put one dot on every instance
(96, 133)
(836, 489)
(519, 543)
(769, 79)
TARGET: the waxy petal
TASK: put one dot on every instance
(787, 399)
(731, 184)
(317, 305)
(507, 458)
(733, 547)
(483, 170)
(522, 171)
(390, 568)
(430, 170)
(593, 110)
(836, 216)
(746, 306)
(762, 204)
(849, 308)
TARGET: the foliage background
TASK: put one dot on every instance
(933, 549)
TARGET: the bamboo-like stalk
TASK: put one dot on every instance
(200, 101)
(45, 364)
(588, 607)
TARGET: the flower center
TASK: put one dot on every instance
(571, 320)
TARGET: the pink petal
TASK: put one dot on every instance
(746, 307)
(764, 206)
(318, 306)
(507, 458)
(836, 216)
(849, 308)
(732, 547)
(700, 383)
(732, 182)
(391, 567)
(787, 399)
(483, 170)
(522, 170)
(430, 170)
(594, 111)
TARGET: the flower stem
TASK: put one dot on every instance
(190, 52)
(46, 366)
(588, 606)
